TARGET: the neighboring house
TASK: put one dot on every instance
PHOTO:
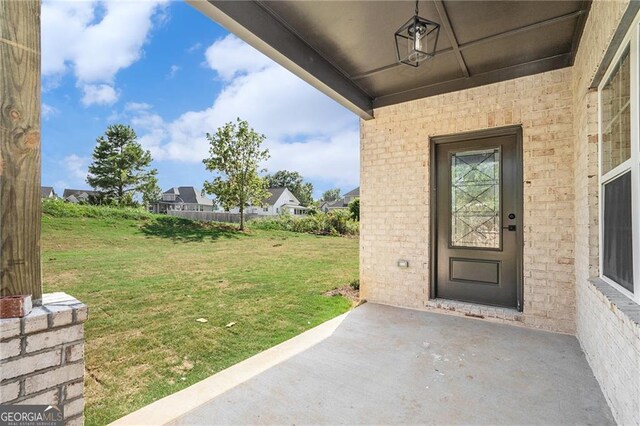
(341, 203)
(351, 195)
(48, 192)
(184, 198)
(78, 195)
(280, 201)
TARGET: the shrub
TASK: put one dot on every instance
(60, 208)
(355, 284)
(337, 222)
(354, 209)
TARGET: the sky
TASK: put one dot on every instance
(173, 75)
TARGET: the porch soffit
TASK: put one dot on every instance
(346, 49)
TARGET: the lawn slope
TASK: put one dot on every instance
(147, 278)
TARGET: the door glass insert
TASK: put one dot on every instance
(475, 199)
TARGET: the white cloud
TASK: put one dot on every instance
(94, 39)
(231, 57)
(335, 158)
(137, 106)
(194, 47)
(76, 167)
(306, 131)
(173, 71)
(48, 111)
(99, 94)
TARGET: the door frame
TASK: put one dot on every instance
(516, 131)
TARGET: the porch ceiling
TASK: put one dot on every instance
(347, 50)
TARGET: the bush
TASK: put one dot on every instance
(337, 222)
(355, 284)
(60, 208)
(354, 209)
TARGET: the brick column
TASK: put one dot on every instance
(42, 359)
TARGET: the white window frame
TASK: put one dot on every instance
(631, 40)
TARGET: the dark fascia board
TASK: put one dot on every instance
(577, 34)
(618, 36)
(256, 26)
(509, 73)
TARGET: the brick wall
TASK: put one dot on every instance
(559, 116)
(607, 326)
(41, 356)
(395, 198)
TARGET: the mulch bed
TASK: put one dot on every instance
(345, 291)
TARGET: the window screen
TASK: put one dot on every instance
(617, 244)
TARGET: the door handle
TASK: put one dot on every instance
(509, 228)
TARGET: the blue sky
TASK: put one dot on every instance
(173, 75)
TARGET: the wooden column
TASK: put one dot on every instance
(20, 207)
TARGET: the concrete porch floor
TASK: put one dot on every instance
(381, 365)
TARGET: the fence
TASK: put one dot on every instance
(211, 216)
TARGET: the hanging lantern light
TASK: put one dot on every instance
(416, 40)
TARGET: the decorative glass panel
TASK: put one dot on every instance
(616, 116)
(475, 199)
(617, 241)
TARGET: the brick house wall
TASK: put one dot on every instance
(559, 117)
(607, 329)
(395, 169)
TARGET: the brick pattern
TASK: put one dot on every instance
(41, 356)
(606, 328)
(395, 198)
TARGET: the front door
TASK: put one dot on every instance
(478, 218)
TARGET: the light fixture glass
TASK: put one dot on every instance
(417, 38)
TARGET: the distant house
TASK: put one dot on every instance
(184, 198)
(48, 192)
(78, 195)
(341, 203)
(351, 195)
(280, 201)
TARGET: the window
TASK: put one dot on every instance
(620, 169)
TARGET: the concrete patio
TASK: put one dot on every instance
(379, 364)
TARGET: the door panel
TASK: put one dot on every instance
(478, 199)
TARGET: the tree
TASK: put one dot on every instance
(354, 209)
(235, 153)
(294, 182)
(151, 192)
(331, 195)
(120, 166)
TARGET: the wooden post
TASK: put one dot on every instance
(20, 205)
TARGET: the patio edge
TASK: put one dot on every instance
(172, 407)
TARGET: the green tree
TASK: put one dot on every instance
(120, 166)
(295, 183)
(354, 209)
(331, 195)
(235, 154)
(151, 192)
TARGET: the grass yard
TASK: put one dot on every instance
(147, 280)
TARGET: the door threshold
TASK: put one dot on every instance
(476, 310)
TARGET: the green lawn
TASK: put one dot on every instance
(146, 282)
